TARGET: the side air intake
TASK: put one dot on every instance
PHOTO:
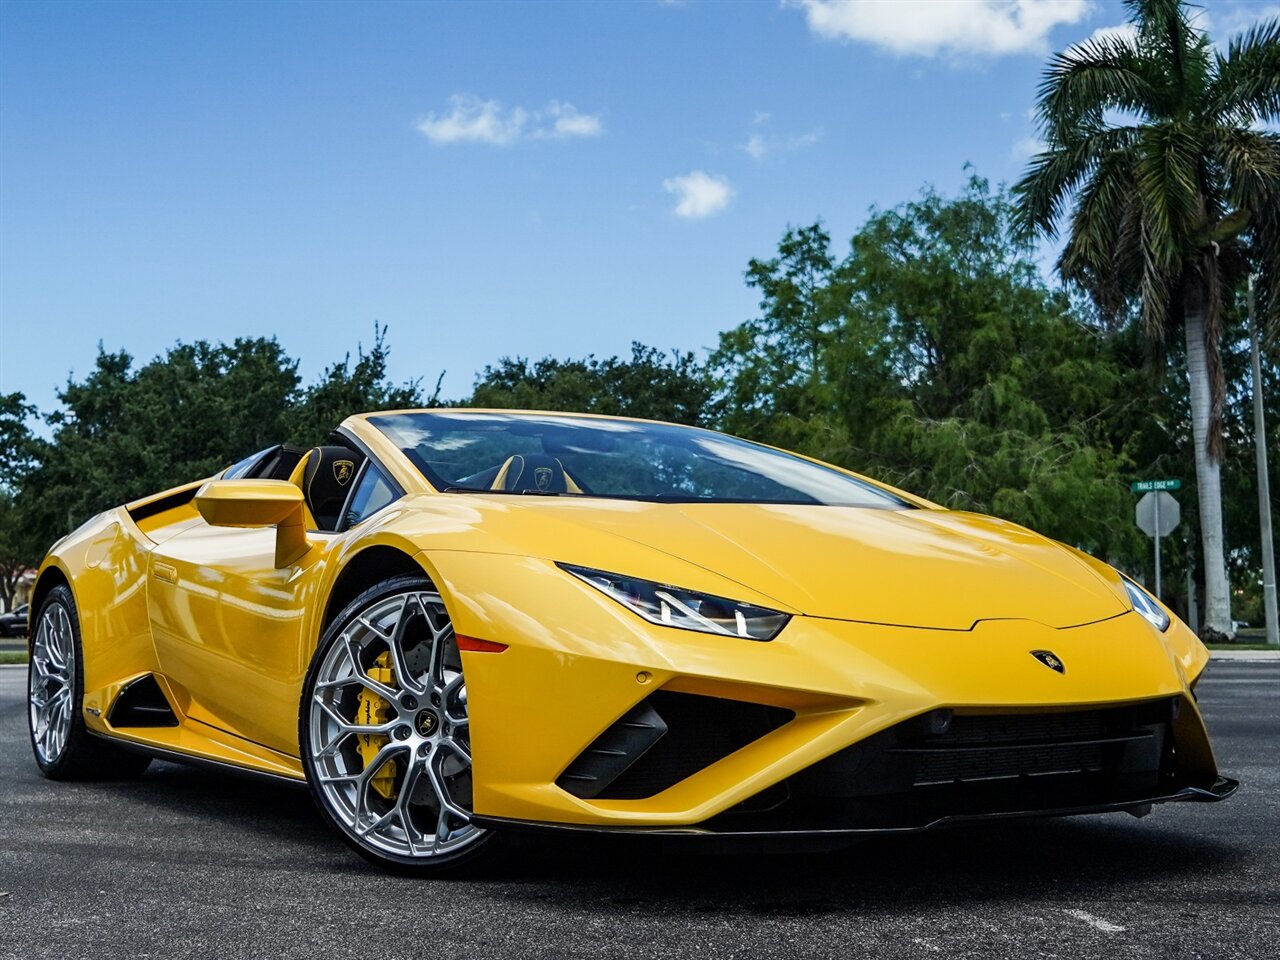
(142, 704)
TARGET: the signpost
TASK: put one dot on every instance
(1146, 486)
(1157, 514)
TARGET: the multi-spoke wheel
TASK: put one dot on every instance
(51, 682)
(384, 730)
(64, 749)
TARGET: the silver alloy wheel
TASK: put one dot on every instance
(392, 752)
(52, 682)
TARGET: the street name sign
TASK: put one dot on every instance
(1146, 486)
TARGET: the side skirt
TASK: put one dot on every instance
(204, 763)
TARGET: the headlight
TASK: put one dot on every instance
(1146, 605)
(670, 606)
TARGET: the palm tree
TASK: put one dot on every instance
(1158, 152)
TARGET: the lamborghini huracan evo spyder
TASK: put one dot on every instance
(450, 623)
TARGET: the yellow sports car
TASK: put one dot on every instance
(450, 623)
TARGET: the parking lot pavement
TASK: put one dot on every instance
(187, 864)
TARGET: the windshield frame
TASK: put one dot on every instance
(877, 496)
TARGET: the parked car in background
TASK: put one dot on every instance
(14, 623)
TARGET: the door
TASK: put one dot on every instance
(231, 629)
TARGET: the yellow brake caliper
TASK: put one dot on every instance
(373, 710)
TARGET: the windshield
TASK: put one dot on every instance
(521, 453)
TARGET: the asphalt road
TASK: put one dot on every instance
(187, 864)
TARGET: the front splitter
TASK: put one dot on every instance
(1221, 789)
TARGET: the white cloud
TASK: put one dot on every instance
(568, 122)
(955, 27)
(1121, 31)
(472, 120)
(698, 194)
(1027, 147)
(1225, 20)
(759, 145)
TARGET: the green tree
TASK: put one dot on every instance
(780, 388)
(123, 433)
(945, 364)
(344, 389)
(1152, 145)
(126, 431)
(988, 391)
(19, 452)
(651, 385)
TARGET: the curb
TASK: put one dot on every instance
(1245, 655)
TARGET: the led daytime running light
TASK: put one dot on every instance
(670, 606)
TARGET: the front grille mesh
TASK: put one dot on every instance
(974, 748)
(953, 767)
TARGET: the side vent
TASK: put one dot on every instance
(142, 704)
(170, 501)
(613, 751)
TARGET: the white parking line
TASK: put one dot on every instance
(1096, 922)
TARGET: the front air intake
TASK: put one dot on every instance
(664, 739)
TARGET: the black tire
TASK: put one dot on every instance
(464, 861)
(82, 756)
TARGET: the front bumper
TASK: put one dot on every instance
(1221, 789)
(577, 664)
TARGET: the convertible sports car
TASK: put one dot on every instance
(450, 623)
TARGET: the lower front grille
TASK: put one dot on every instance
(945, 764)
(961, 766)
(977, 747)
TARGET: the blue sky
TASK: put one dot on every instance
(486, 179)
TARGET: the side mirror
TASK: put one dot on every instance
(259, 503)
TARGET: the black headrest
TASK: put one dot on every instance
(327, 481)
(534, 471)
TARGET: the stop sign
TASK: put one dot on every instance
(1158, 506)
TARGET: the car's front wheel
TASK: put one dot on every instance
(384, 731)
(63, 746)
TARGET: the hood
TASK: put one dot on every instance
(912, 567)
(925, 568)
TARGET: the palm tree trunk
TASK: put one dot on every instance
(1217, 595)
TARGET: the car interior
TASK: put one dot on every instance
(331, 476)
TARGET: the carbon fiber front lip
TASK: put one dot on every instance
(1223, 788)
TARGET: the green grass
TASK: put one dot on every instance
(1243, 646)
(12, 656)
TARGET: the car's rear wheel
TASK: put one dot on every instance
(384, 731)
(64, 748)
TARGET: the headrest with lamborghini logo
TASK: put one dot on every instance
(329, 474)
(531, 471)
